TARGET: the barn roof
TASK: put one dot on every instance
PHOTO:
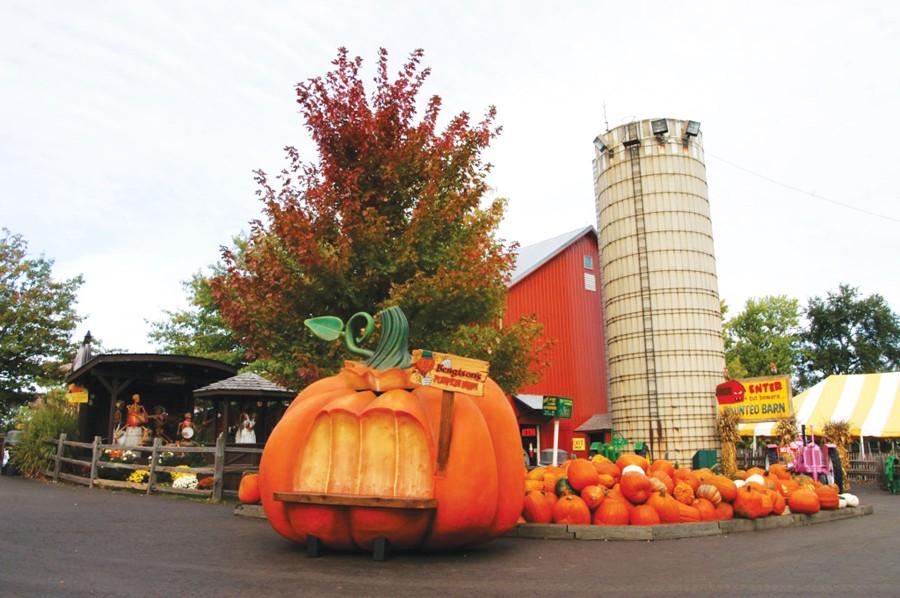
(532, 257)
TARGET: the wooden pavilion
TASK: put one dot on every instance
(160, 380)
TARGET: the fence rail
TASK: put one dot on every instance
(225, 460)
(868, 468)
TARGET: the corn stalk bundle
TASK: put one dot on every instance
(838, 434)
(786, 430)
(727, 427)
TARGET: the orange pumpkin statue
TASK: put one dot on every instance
(369, 436)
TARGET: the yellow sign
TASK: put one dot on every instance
(578, 444)
(449, 372)
(76, 394)
(756, 399)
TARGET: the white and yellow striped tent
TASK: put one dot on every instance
(870, 402)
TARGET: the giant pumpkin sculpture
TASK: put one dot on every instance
(354, 459)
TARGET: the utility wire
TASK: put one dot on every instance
(803, 191)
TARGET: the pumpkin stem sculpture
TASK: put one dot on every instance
(354, 458)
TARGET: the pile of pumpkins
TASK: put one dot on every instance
(634, 491)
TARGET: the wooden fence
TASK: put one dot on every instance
(868, 469)
(84, 468)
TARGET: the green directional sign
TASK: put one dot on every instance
(559, 407)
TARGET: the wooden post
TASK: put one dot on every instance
(151, 479)
(59, 454)
(219, 469)
(95, 456)
(446, 431)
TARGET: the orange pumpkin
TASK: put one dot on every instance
(664, 466)
(724, 511)
(726, 487)
(804, 500)
(688, 513)
(248, 490)
(644, 515)
(372, 432)
(688, 477)
(615, 493)
(538, 507)
(626, 459)
(666, 507)
(608, 468)
(593, 496)
(536, 474)
(571, 509)
(704, 475)
(828, 497)
(533, 485)
(751, 503)
(582, 473)
(683, 493)
(606, 480)
(779, 471)
(788, 486)
(635, 487)
(612, 512)
(706, 508)
(778, 503)
(740, 474)
(549, 482)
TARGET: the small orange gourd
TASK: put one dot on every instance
(683, 493)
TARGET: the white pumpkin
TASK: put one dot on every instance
(634, 468)
(851, 499)
(739, 483)
(842, 503)
(758, 479)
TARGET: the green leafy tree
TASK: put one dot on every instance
(849, 334)
(766, 332)
(37, 319)
(393, 212)
(198, 330)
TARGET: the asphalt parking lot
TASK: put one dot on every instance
(64, 540)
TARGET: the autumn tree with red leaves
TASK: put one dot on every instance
(390, 214)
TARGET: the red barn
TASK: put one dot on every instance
(558, 280)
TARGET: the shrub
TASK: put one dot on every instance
(44, 419)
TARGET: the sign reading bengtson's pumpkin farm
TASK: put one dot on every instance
(449, 372)
(558, 407)
(756, 399)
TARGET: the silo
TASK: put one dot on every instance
(660, 294)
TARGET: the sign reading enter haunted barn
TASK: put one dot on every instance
(449, 372)
(756, 399)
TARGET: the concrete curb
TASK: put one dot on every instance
(553, 531)
(646, 533)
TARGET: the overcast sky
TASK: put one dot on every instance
(129, 130)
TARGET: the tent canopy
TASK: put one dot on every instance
(870, 402)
